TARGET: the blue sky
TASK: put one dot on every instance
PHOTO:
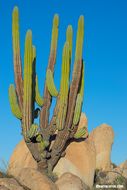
(105, 54)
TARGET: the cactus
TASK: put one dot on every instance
(69, 97)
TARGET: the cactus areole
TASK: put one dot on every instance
(47, 141)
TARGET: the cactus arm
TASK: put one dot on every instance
(13, 102)
(76, 77)
(79, 100)
(36, 93)
(17, 57)
(77, 111)
(52, 125)
(64, 87)
(33, 82)
(27, 97)
(69, 34)
(52, 59)
(38, 97)
(64, 135)
(78, 107)
(80, 133)
(33, 131)
(50, 83)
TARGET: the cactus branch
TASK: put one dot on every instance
(17, 57)
(80, 133)
(52, 59)
(64, 87)
(27, 98)
(50, 83)
(38, 97)
(13, 102)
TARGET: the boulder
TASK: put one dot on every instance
(35, 180)
(83, 121)
(3, 188)
(124, 173)
(70, 181)
(9, 184)
(80, 160)
(103, 137)
(123, 165)
(21, 158)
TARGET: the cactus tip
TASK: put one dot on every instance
(29, 33)
(56, 20)
(15, 9)
(81, 21)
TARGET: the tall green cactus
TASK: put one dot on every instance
(69, 97)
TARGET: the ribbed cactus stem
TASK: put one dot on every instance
(17, 57)
(13, 102)
(34, 52)
(80, 133)
(33, 131)
(81, 91)
(27, 98)
(50, 83)
(52, 59)
(54, 33)
(77, 111)
(69, 35)
(64, 86)
(15, 30)
(38, 98)
(79, 100)
(79, 40)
